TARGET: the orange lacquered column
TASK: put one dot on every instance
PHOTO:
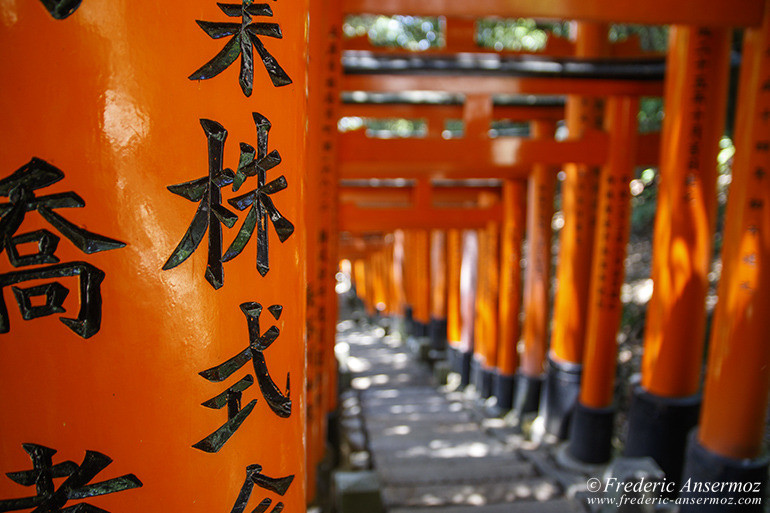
(398, 272)
(537, 280)
(110, 140)
(322, 222)
(591, 429)
(454, 263)
(468, 291)
(729, 444)
(578, 191)
(481, 317)
(578, 195)
(695, 95)
(438, 282)
(511, 238)
(421, 271)
(732, 421)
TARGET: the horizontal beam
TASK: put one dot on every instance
(500, 158)
(438, 111)
(721, 13)
(360, 220)
(405, 196)
(464, 84)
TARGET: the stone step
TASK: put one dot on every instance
(453, 471)
(554, 506)
(530, 490)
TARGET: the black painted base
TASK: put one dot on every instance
(437, 333)
(463, 361)
(451, 357)
(658, 427)
(527, 396)
(486, 381)
(503, 389)
(560, 394)
(590, 436)
(706, 467)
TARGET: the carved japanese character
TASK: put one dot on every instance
(244, 35)
(75, 486)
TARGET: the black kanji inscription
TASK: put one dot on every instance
(75, 486)
(20, 189)
(279, 402)
(61, 9)
(244, 35)
(254, 476)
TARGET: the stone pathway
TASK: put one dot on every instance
(436, 450)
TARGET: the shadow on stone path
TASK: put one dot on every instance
(432, 449)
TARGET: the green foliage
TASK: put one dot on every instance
(514, 34)
(650, 114)
(410, 32)
(652, 38)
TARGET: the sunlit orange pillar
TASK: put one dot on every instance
(398, 272)
(578, 193)
(454, 265)
(729, 444)
(439, 292)
(591, 427)
(421, 279)
(665, 407)
(321, 219)
(468, 287)
(537, 279)
(509, 331)
(360, 279)
(119, 316)
(485, 327)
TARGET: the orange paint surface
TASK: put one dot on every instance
(104, 96)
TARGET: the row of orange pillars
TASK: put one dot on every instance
(463, 283)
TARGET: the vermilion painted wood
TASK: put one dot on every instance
(721, 13)
(540, 207)
(696, 96)
(613, 211)
(579, 193)
(738, 374)
(104, 96)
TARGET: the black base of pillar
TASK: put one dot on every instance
(437, 333)
(590, 436)
(560, 395)
(503, 387)
(418, 329)
(464, 367)
(527, 396)
(485, 381)
(658, 427)
(746, 480)
(451, 357)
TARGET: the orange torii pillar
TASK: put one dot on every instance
(454, 316)
(321, 219)
(360, 280)
(397, 271)
(537, 280)
(485, 326)
(578, 192)
(468, 282)
(509, 326)
(417, 272)
(665, 407)
(591, 426)
(152, 322)
(438, 299)
(728, 446)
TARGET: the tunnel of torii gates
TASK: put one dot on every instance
(176, 205)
